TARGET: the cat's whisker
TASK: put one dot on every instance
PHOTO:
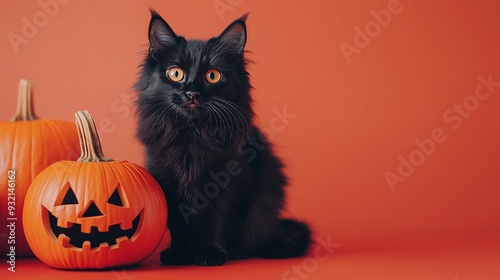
(211, 115)
(228, 120)
(240, 116)
(209, 118)
(236, 117)
(220, 114)
(233, 120)
(156, 119)
(230, 105)
(236, 106)
(215, 113)
(230, 117)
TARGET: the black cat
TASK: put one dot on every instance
(224, 186)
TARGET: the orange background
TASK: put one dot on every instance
(352, 120)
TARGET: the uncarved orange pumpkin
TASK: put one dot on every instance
(94, 212)
(27, 146)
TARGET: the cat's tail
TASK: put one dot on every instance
(293, 241)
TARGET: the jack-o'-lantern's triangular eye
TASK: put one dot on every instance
(115, 198)
(66, 196)
(70, 197)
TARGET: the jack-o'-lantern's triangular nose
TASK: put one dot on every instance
(92, 211)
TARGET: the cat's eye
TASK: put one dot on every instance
(175, 74)
(213, 76)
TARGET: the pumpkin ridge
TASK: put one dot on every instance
(32, 146)
(14, 144)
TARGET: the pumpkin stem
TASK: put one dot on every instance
(24, 111)
(90, 145)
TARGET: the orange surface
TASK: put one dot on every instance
(478, 262)
(412, 93)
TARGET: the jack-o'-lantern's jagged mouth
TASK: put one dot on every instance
(96, 237)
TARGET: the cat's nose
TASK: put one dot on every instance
(192, 94)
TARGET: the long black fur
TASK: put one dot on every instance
(224, 185)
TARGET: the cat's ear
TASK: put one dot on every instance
(234, 37)
(161, 36)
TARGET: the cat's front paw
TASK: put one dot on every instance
(210, 256)
(176, 257)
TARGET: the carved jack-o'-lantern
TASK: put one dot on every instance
(94, 212)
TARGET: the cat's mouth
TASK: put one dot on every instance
(193, 108)
(192, 104)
